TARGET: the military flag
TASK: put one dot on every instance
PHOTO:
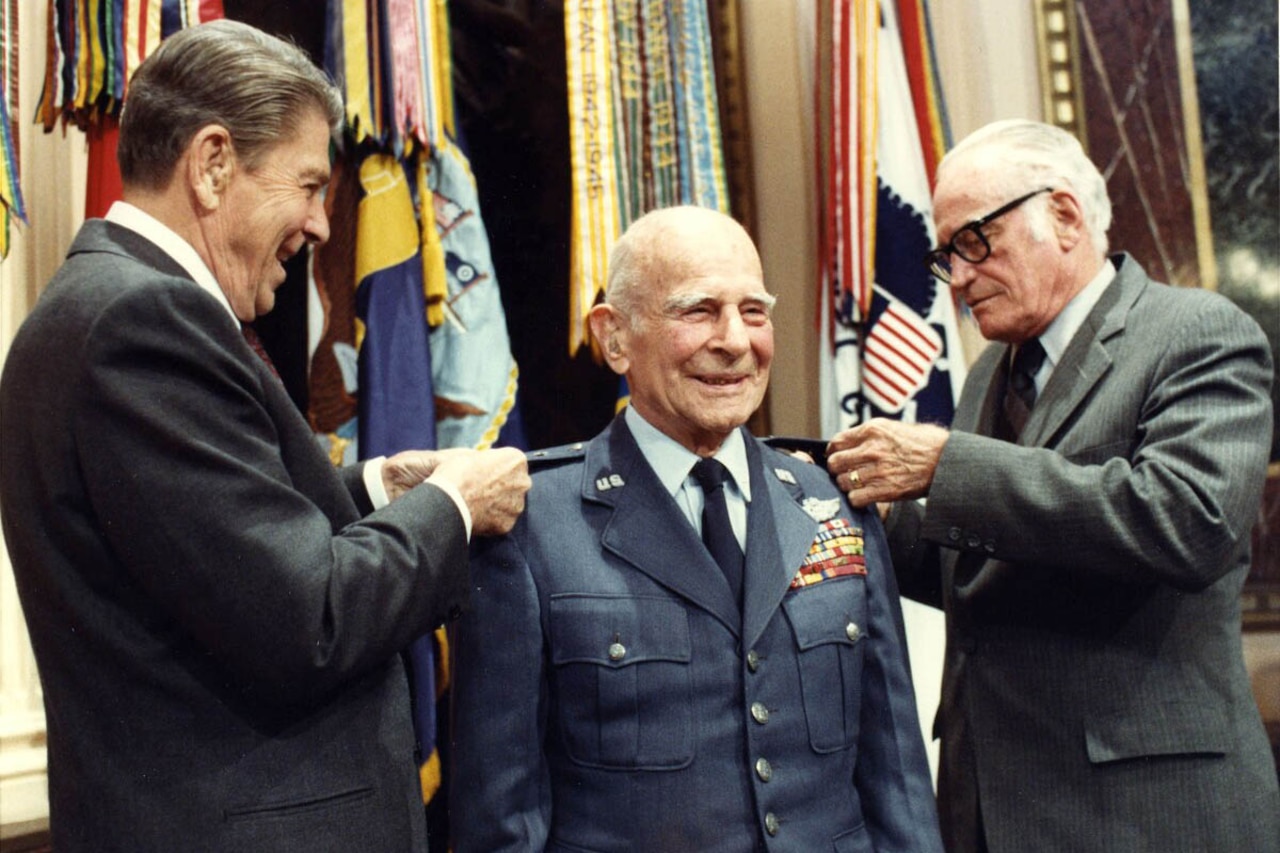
(425, 359)
(890, 331)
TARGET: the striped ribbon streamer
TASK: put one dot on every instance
(852, 188)
(922, 73)
(442, 75)
(699, 130)
(660, 117)
(406, 82)
(426, 15)
(677, 12)
(354, 74)
(95, 46)
(594, 224)
(391, 60)
(628, 101)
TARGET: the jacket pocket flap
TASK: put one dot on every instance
(829, 612)
(1165, 728)
(616, 630)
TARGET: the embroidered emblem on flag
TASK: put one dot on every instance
(836, 552)
(901, 350)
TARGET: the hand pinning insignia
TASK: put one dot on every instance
(820, 510)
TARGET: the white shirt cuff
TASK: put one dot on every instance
(372, 476)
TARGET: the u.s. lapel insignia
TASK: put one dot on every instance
(821, 510)
(785, 476)
(613, 481)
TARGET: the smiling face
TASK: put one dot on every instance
(266, 215)
(1016, 292)
(697, 347)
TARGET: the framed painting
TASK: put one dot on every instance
(1176, 101)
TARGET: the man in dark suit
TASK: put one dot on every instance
(1086, 526)
(618, 687)
(217, 612)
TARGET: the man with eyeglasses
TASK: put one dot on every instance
(1086, 525)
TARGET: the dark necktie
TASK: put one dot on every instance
(1020, 396)
(255, 343)
(717, 532)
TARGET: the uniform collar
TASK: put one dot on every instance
(671, 461)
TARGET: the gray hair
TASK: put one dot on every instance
(657, 247)
(1029, 154)
(225, 73)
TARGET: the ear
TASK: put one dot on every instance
(609, 328)
(1067, 218)
(211, 163)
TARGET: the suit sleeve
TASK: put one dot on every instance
(916, 563)
(500, 785)
(1163, 475)
(892, 775)
(186, 471)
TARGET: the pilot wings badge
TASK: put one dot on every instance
(821, 510)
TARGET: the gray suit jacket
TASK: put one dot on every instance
(610, 696)
(1094, 691)
(216, 626)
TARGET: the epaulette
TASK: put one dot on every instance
(814, 448)
(550, 456)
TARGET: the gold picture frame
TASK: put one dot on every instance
(1121, 76)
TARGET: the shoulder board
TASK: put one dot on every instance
(815, 448)
(552, 456)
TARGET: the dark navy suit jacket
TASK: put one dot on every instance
(215, 624)
(609, 695)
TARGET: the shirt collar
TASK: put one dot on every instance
(1063, 328)
(183, 253)
(671, 461)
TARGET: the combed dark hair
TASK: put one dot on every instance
(225, 73)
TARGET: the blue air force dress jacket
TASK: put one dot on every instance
(610, 696)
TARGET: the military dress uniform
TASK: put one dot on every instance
(611, 695)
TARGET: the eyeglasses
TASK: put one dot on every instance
(969, 242)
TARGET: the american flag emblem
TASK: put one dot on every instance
(836, 552)
(900, 354)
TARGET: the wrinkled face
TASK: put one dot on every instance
(1021, 286)
(697, 357)
(269, 213)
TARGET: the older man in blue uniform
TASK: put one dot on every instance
(628, 679)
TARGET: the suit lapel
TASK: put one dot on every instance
(1087, 358)
(981, 402)
(779, 534)
(648, 530)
